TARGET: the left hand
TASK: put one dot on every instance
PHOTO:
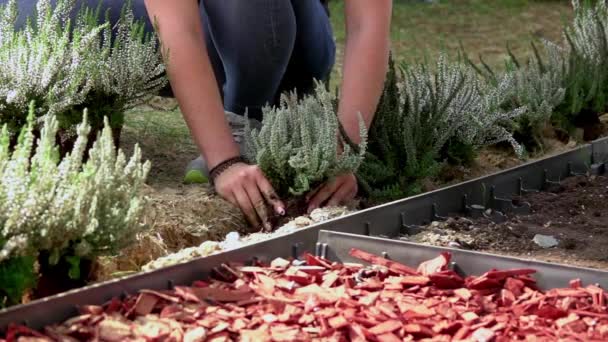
(339, 190)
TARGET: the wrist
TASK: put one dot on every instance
(220, 154)
(224, 166)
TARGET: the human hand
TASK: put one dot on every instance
(246, 187)
(337, 191)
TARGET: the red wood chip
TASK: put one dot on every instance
(325, 301)
(312, 260)
(338, 322)
(575, 283)
(222, 295)
(386, 327)
(145, 304)
(446, 280)
(388, 337)
(483, 335)
(438, 264)
(330, 278)
(280, 263)
(377, 260)
(161, 295)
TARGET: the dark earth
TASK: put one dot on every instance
(575, 213)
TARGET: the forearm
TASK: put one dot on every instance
(195, 88)
(364, 70)
(192, 78)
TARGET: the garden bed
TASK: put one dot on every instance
(472, 119)
(183, 216)
(572, 212)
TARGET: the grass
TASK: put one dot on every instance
(164, 138)
(419, 30)
(423, 30)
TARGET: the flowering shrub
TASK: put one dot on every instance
(297, 145)
(64, 207)
(563, 85)
(422, 111)
(586, 61)
(66, 66)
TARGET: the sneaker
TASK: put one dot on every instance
(197, 171)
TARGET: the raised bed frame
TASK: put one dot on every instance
(471, 197)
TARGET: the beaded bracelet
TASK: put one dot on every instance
(223, 166)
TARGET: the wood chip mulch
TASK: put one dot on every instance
(319, 300)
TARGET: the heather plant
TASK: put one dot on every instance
(487, 122)
(537, 85)
(42, 62)
(586, 65)
(64, 208)
(423, 112)
(125, 65)
(297, 145)
(66, 66)
(566, 85)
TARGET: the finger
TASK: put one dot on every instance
(354, 194)
(313, 192)
(244, 203)
(231, 199)
(270, 195)
(322, 195)
(259, 205)
(342, 195)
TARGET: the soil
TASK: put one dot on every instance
(293, 208)
(575, 213)
(183, 216)
(590, 123)
(493, 159)
(54, 278)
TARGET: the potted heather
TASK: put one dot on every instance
(297, 149)
(427, 115)
(64, 222)
(66, 66)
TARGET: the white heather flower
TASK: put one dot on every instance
(296, 144)
(63, 68)
(81, 206)
(12, 96)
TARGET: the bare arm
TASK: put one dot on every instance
(192, 77)
(364, 70)
(365, 61)
(195, 87)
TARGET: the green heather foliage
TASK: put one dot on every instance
(486, 121)
(17, 275)
(568, 83)
(296, 147)
(421, 110)
(536, 85)
(66, 66)
(66, 205)
(586, 80)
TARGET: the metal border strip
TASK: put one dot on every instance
(336, 247)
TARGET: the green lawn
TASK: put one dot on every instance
(419, 30)
(424, 30)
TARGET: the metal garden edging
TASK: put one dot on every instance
(389, 219)
(336, 246)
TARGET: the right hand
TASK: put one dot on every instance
(246, 187)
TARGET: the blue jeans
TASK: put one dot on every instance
(258, 48)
